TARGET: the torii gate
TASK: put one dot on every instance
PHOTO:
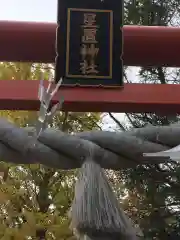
(143, 46)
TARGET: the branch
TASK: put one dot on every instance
(116, 121)
(64, 124)
(131, 121)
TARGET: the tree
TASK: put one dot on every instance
(153, 196)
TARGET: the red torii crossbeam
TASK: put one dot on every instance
(163, 99)
(143, 46)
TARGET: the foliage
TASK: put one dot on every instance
(152, 192)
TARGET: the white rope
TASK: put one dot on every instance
(111, 150)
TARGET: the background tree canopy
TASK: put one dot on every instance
(34, 200)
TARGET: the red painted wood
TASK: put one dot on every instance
(143, 46)
(22, 95)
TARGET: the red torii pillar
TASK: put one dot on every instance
(143, 46)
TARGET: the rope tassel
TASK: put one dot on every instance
(95, 210)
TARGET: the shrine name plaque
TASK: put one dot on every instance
(89, 42)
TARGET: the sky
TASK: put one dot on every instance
(42, 11)
(32, 10)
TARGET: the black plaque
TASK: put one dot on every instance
(89, 42)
